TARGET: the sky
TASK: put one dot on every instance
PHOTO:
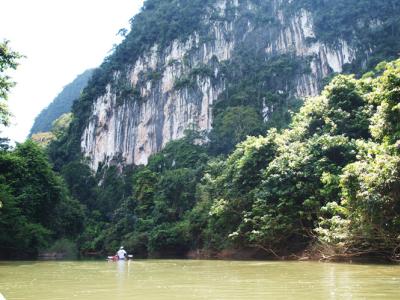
(60, 39)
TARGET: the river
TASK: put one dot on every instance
(196, 279)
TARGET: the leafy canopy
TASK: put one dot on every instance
(8, 60)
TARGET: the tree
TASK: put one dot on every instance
(366, 221)
(233, 126)
(8, 60)
(371, 192)
(385, 123)
(37, 207)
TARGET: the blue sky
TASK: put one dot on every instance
(60, 39)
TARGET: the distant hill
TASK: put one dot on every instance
(61, 104)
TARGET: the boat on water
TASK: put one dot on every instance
(115, 258)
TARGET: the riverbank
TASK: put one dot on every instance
(63, 250)
(314, 253)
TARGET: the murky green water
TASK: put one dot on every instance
(186, 279)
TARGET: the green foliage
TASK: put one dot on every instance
(43, 138)
(253, 78)
(175, 195)
(321, 159)
(371, 192)
(190, 80)
(169, 240)
(184, 82)
(231, 188)
(59, 129)
(60, 126)
(184, 153)
(8, 60)
(293, 191)
(321, 179)
(61, 105)
(19, 237)
(366, 220)
(257, 96)
(341, 110)
(321, 176)
(36, 205)
(159, 22)
(111, 192)
(233, 126)
(144, 209)
(385, 123)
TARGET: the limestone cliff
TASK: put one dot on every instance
(173, 87)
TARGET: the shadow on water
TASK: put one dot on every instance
(18, 263)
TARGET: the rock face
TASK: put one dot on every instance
(178, 85)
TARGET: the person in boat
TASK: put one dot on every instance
(121, 253)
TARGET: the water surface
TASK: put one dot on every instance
(188, 279)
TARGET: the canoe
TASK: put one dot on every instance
(115, 258)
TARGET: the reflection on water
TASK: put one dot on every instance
(122, 267)
(185, 279)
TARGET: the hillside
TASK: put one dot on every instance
(191, 64)
(61, 104)
(219, 129)
(198, 134)
(326, 187)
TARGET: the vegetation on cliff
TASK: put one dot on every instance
(253, 79)
(301, 184)
(330, 180)
(158, 23)
(371, 26)
(35, 206)
(326, 178)
(62, 104)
